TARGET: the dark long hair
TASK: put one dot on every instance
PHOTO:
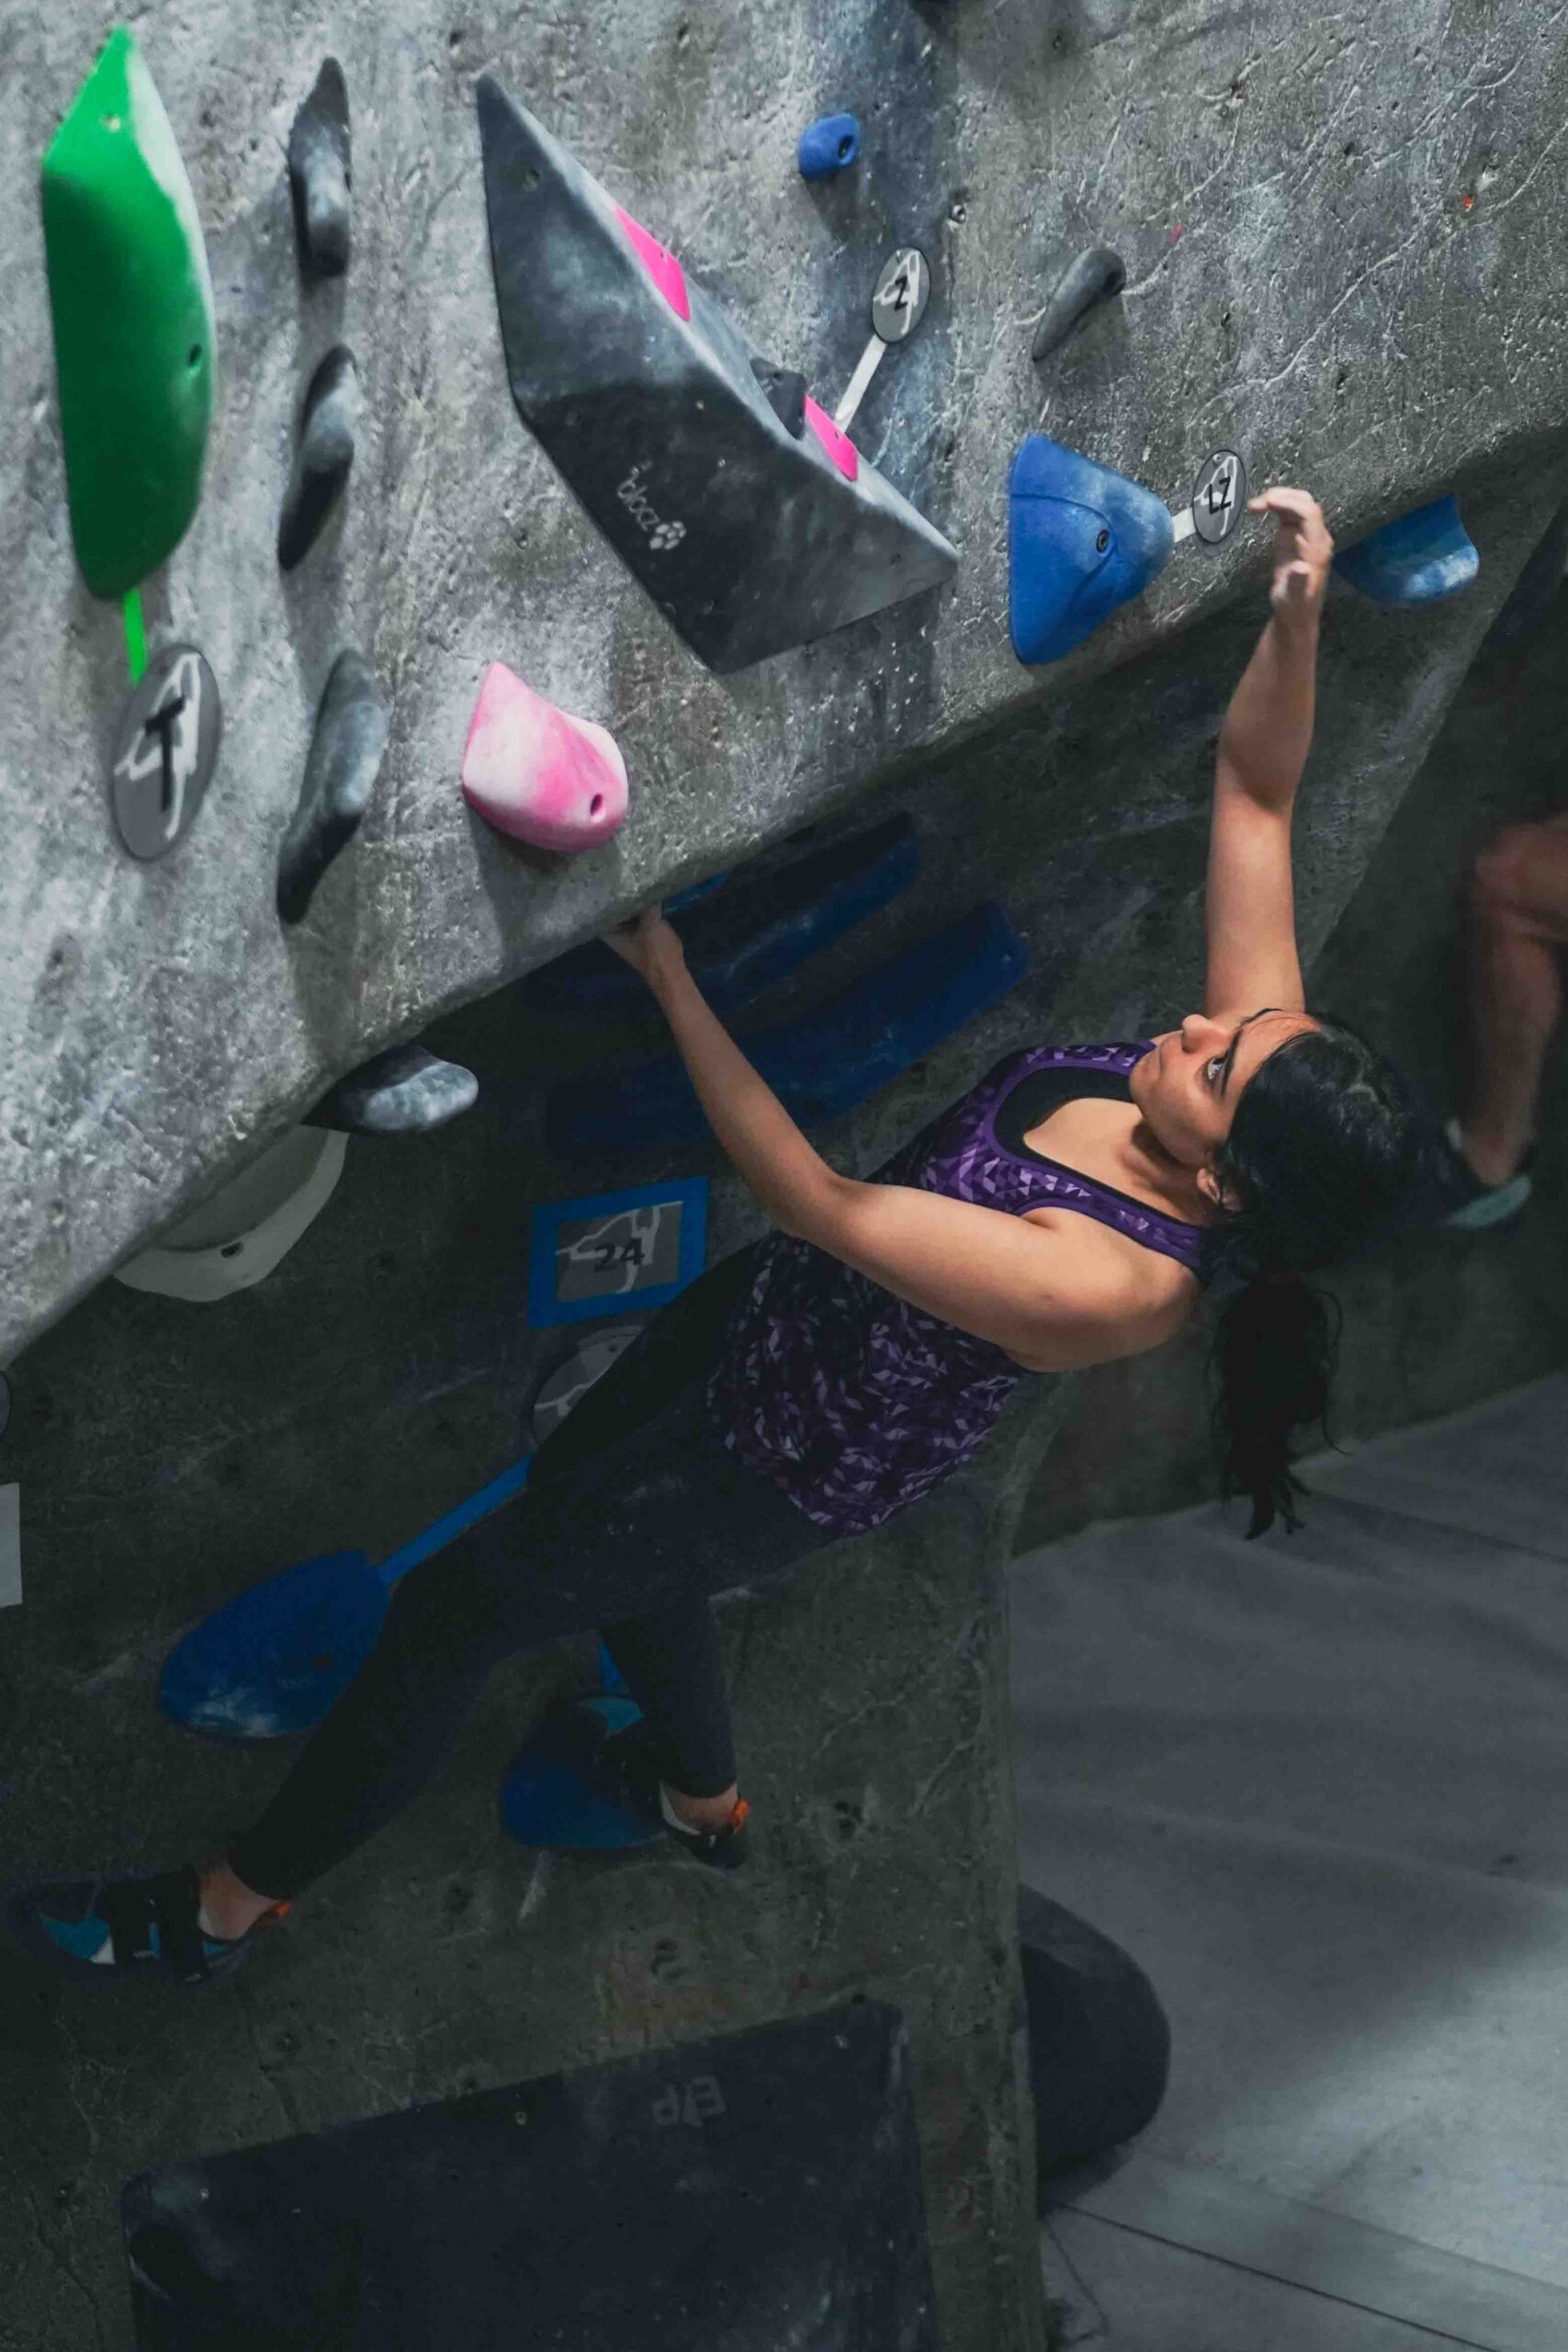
(1324, 1152)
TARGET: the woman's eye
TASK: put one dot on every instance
(1216, 1062)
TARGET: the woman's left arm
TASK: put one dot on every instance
(789, 1175)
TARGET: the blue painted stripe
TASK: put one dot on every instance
(462, 1515)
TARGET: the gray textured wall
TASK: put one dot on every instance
(1327, 305)
(1286, 189)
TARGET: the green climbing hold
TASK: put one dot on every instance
(133, 325)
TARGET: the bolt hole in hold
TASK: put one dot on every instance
(193, 357)
(1102, 542)
(231, 1248)
(530, 177)
(111, 122)
(596, 804)
(845, 147)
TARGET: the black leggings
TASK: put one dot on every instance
(634, 1512)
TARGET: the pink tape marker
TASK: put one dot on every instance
(661, 265)
(538, 773)
(839, 446)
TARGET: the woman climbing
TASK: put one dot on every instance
(1072, 1208)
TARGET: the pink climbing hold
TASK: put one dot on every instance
(839, 446)
(538, 773)
(661, 265)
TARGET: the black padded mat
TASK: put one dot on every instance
(754, 2191)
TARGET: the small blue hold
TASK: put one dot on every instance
(1081, 541)
(1414, 560)
(830, 145)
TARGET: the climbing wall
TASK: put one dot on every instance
(358, 862)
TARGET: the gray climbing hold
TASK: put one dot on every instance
(1092, 277)
(352, 726)
(324, 454)
(319, 175)
(784, 389)
(571, 1381)
(404, 1091)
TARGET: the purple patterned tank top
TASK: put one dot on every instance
(856, 1402)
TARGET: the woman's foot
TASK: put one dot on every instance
(229, 1908)
(620, 1765)
(105, 1930)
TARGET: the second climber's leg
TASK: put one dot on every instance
(1517, 925)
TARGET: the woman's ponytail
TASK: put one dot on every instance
(1323, 1154)
(1275, 1351)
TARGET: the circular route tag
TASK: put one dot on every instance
(899, 302)
(1219, 496)
(165, 750)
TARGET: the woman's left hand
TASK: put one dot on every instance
(648, 944)
(1303, 552)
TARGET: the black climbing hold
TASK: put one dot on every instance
(1535, 590)
(324, 454)
(748, 538)
(404, 1091)
(319, 175)
(784, 389)
(1098, 2040)
(350, 736)
(1092, 277)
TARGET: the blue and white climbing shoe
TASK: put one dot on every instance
(104, 1930)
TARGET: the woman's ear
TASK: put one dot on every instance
(1214, 1191)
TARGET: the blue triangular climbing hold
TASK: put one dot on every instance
(546, 1798)
(1081, 539)
(1414, 560)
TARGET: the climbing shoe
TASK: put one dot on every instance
(619, 1767)
(1467, 1204)
(150, 1927)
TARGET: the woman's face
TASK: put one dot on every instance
(1187, 1089)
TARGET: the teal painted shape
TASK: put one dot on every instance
(1081, 541)
(80, 1938)
(1414, 560)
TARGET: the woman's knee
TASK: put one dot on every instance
(1521, 873)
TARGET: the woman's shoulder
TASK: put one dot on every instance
(1123, 1300)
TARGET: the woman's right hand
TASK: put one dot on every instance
(648, 944)
(1303, 552)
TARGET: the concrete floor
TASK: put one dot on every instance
(1316, 1786)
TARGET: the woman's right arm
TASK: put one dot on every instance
(1249, 902)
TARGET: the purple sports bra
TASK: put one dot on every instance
(854, 1402)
